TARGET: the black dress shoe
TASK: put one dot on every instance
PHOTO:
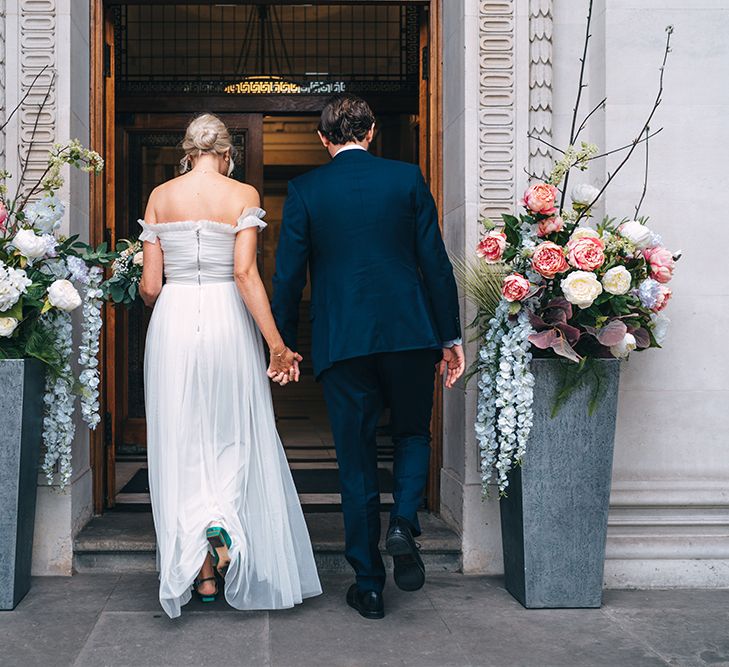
(368, 603)
(409, 572)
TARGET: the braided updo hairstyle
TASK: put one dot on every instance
(206, 134)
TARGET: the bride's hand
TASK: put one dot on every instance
(284, 366)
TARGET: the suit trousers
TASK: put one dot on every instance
(356, 391)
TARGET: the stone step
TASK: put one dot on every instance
(125, 542)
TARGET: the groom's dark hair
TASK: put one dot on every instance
(346, 118)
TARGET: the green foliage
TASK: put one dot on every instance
(588, 371)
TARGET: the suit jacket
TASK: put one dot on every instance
(381, 281)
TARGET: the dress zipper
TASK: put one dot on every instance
(199, 281)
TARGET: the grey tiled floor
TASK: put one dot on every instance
(109, 619)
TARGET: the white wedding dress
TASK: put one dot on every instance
(215, 457)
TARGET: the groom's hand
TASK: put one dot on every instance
(284, 367)
(452, 365)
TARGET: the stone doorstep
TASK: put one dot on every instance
(125, 542)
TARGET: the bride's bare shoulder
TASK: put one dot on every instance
(248, 195)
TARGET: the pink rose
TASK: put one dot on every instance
(491, 248)
(661, 262)
(662, 300)
(586, 253)
(550, 226)
(516, 287)
(3, 216)
(549, 260)
(540, 198)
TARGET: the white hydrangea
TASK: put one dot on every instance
(13, 284)
(45, 214)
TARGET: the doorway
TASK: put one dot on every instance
(266, 69)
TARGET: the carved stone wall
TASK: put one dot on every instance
(37, 46)
(540, 86)
(497, 107)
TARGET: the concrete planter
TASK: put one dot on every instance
(22, 383)
(554, 520)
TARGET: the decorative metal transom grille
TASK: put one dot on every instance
(267, 48)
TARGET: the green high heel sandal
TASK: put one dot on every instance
(220, 542)
(209, 597)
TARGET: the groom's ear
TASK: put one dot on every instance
(324, 141)
(370, 135)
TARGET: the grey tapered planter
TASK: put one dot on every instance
(554, 518)
(22, 384)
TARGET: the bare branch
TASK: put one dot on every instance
(20, 104)
(645, 176)
(546, 143)
(581, 86)
(583, 124)
(632, 143)
(25, 162)
(643, 130)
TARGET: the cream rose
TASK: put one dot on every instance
(581, 288)
(637, 233)
(30, 246)
(660, 327)
(138, 258)
(584, 233)
(617, 280)
(7, 326)
(584, 194)
(63, 295)
(624, 347)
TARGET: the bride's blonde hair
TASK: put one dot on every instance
(206, 133)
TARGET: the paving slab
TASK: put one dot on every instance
(148, 639)
(69, 594)
(690, 637)
(43, 639)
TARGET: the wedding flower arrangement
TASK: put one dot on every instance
(567, 288)
(44, 277)
(126, 272)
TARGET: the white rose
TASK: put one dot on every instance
(624, 347)
(62, 294)
(638, 234)
(616, 280)
(584, 193)
(583, 232)
(660, 327)
(139, 258)
(581, 288)
(30, 246)
(7, 326)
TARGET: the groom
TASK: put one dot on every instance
(384, 311)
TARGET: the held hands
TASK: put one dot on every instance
(284, 366)
(452, 365)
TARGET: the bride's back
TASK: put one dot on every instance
(201, 195)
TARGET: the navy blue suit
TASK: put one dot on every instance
(384, 300)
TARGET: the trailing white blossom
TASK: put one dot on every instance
(89, 348)
(504, 404)
(58, 425)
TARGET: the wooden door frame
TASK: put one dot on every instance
(101, 223)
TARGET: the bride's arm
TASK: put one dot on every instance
(284, 362)
(150, 284)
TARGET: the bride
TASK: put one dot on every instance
(223, 499)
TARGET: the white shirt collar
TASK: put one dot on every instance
(350, 147)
